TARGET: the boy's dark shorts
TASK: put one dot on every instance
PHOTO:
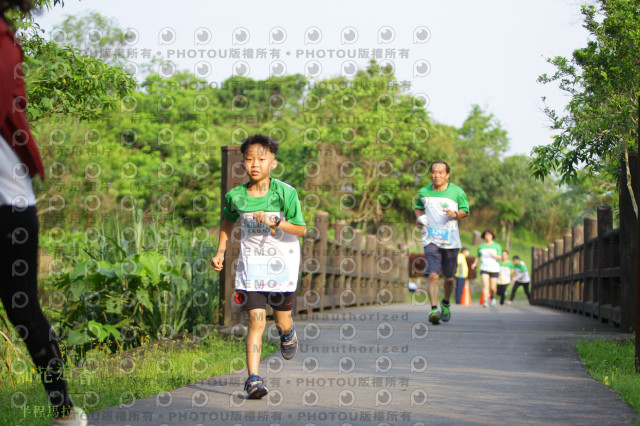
(279, 301)
(436, 258)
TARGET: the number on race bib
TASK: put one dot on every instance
(440, 234)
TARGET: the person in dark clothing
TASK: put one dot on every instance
(19, 162)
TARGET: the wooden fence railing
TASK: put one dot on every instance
(592, 269)
(352, 269)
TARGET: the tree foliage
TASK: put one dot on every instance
(94, 35)
(61, 80)
(482, 143)
(599, 125)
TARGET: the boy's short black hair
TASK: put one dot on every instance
(266, 141)
(516, 257)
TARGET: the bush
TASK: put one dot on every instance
(121, 285)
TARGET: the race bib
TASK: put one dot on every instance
(266, 272)
(440, 234)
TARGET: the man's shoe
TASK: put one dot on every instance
(289, 344)
(255, 388)
(445, 313)
(78, 417)
(485, 304)
(434, 316)
(493, 302)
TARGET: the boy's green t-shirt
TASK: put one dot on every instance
(440, 229)
(488, 263)
(505, 272)
(522, 268)
(267, 262)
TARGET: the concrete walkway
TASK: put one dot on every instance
(385, 365)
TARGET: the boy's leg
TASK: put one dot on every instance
(494, 286)
(513, 290)
(449, 265)
(525, 286)
(284, 321)
(433, 262)
(282, 304)
(485, 287)
(257, 322)
(448, 288)
(433, 289)
(501, 289)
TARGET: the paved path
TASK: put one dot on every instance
(384, 365)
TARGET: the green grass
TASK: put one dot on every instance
(612, 363)
(150, 370)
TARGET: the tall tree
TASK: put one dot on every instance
(367, 137)
(59, 79)
(94, 35)
(599, 125)
(481, 146)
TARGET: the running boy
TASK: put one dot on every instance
(521, 279)
(267, 273)
(504, 279)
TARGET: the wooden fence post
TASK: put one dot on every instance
(342, 250)
(233, 174)
(629, 246)
(558, 246)
(590, 264)
(577, 280)
(403, 274)
(566, 266)
(306, 259)
(551, 267)
(372, 276)
(321, 225)
(545, 276)
(605, 224)
(535, 274)
(358, 279)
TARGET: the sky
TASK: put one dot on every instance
(455, 53)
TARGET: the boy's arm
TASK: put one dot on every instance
(476, 260)
(299, 230)
(262, 217)
(418, 213)
(225, 230)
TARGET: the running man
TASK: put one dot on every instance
(438, 207)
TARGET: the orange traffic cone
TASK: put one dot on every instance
(481, 297)
(466, 294)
